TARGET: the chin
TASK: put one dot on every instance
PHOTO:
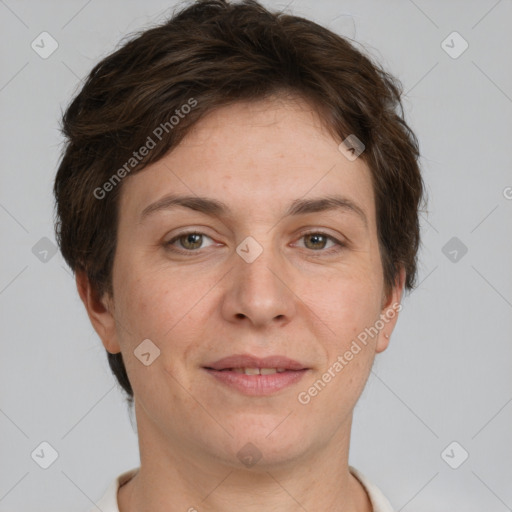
(268, 444)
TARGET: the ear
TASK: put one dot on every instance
(389, 313)
(99, 310)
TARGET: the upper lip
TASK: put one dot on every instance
(249, 361)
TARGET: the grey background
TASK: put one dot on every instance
(447, 373)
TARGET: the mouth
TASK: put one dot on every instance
(254, 371)
(254, 376)
(250, 362)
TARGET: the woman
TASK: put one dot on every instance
(238, 199)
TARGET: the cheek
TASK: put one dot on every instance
(138, 307)
(152, 307)
(150, 312)
(347, 302)
(349, 312)
(163, 307)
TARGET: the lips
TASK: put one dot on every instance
(244, 361)
(254, 376)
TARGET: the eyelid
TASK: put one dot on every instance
(177, 236)
(322, 231)
(339, 244)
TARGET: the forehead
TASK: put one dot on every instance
(256, 157)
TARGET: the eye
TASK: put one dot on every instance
(190, 241)
(317, 240)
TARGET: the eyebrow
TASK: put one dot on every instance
(216, 208)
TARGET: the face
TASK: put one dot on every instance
(271, 272)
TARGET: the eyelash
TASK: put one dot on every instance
(189, 252)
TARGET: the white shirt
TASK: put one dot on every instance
(108, 502)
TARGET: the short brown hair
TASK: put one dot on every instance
(217, 53)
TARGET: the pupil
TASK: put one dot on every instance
(316, 238)
(191, 236)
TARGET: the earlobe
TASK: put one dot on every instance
(382, 343)
(99, 312)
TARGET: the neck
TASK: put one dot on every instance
(181, 477)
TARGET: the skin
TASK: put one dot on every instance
(294, 299)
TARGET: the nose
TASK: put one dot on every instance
(260, 292)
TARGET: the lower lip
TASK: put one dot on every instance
(258, 385)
